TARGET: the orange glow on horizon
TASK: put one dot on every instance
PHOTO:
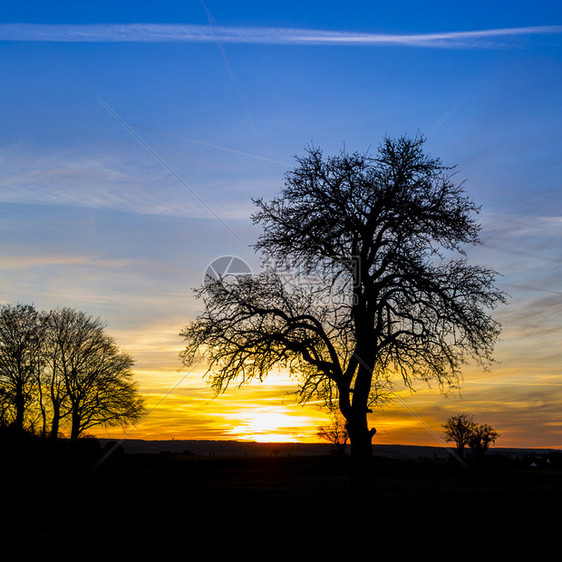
(183, 407)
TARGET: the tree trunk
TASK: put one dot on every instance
(75, 430)
(55, 422)
(42, 409)
(360, 437)
(20, 408)
(359, 433)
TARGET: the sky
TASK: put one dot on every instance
(134, 135)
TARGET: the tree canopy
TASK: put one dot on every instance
(365, 279)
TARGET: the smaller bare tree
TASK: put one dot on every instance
(335, 432)
(459, 430)
(483, 435)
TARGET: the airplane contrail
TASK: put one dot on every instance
(150, 32)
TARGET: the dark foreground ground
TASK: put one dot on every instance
(191, 507)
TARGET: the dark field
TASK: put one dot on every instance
(170, 507)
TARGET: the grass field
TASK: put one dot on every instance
(172, 507)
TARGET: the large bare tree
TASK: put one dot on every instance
(365, 280)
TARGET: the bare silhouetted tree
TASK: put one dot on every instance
(89, 380)
(335, 432)
(389, 291)
(483, 435)
(20, 361)
(58, 335)
(459, 430)
(465, 432)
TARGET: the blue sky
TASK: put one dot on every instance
(134, 135)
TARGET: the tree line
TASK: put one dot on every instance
(60, 370)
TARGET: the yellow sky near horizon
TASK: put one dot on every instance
(521, 396)
(512, 397)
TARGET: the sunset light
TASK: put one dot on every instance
(265, 425)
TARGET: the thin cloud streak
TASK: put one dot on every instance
(19, 262)
(211, 145)
(163, 33)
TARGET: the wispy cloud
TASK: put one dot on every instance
(145, 32)
(75, 179)
(19, 262)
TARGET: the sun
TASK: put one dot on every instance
(271, 426)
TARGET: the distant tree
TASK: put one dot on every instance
(391, 294)
(89, 379)
(459, 430)
(483, 435)
(335, 432)
(20, 361)
(465, 432)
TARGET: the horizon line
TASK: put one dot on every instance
(188, 33)
(310, 443)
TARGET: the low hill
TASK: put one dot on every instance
(249, 448)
